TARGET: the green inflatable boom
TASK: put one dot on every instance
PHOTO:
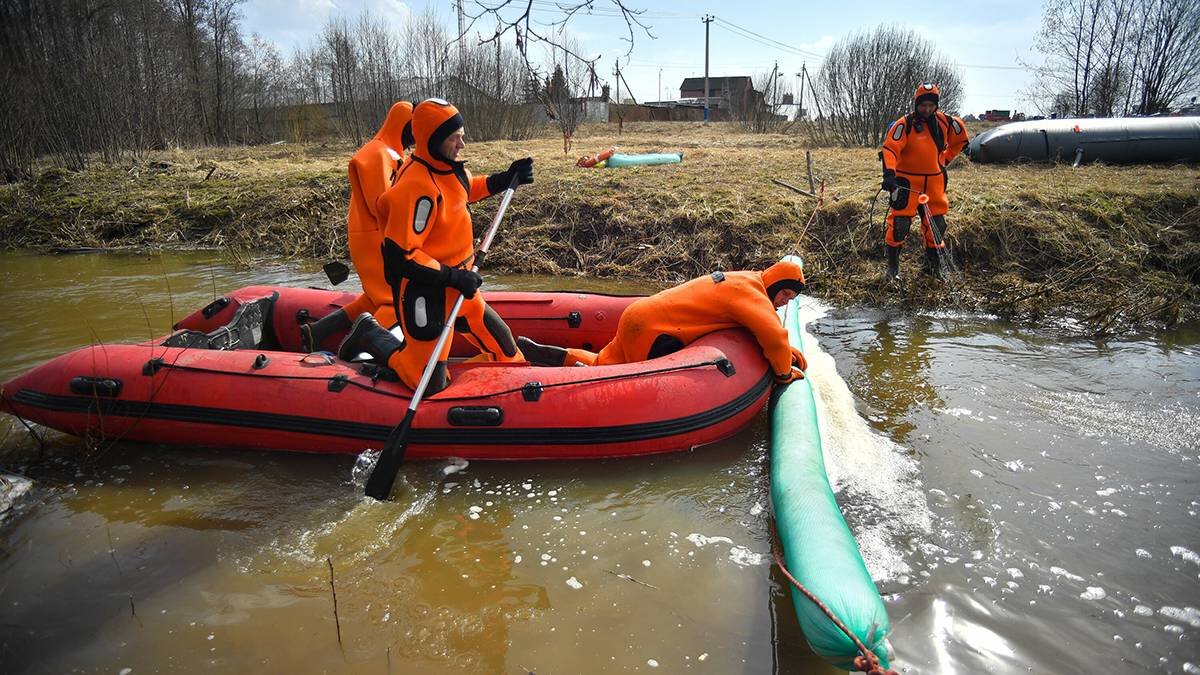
(819, 549)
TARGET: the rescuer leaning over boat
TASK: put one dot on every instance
(670, 320)
(372, 171)
(428, 250)
(916, 150)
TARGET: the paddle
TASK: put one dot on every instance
(383, 476)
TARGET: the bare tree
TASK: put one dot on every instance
(758, 112)
(1100, 52)
(1172, 61)
(868, 79)
(570, 80)
(516, 17)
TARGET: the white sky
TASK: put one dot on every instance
(989, 40)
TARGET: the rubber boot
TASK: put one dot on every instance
(893, 263)
(933, 263)
(368, 336)
(541, 355)
(312, 335)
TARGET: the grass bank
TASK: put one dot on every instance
(1109, 247)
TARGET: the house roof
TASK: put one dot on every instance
(724, 82)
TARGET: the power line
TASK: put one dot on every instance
(769, 42)
(550, 6)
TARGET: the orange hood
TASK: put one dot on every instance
(393, 132)
(783, 274)
(433, 121)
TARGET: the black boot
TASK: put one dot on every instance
(312, 335)
(541, 355)
(368, 336)
(893, 263)
(933, 263)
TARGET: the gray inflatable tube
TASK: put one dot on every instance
(1125, 140)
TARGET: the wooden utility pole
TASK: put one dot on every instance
(708, 18)
(820, 115)
(462, 39)
(775, 87)
(620, 117)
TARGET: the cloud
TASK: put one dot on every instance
(295, 23)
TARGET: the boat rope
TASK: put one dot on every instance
(407, 395)
(866, 661)
(813, 218)
(24, 422)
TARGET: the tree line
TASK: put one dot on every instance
(110, 78)
(1117, 57)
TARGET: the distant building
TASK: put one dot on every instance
(735, 94)
(718, 87)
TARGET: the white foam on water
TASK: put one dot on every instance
(1186, 553)
(744, 557)
(12, 488)
(864, 464)
(454, 465)
(1094, 593)
(1058, 571)
(1188, 615)
(703, 540)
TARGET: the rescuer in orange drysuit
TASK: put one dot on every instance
(915, 153)
(670, 320)
(372, 170)
(428, 250)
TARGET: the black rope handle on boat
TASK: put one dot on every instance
(371, 388)
(866, 661)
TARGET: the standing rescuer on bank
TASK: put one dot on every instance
(916, 150)
(428, 250)
(372, 171)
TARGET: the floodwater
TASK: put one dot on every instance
(1026, 503)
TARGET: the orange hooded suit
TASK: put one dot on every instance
(916, 151)
(669, 320)
(427, 240)
(372, 171)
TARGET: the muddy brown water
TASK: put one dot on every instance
(1025, 502)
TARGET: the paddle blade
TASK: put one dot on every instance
(336, 271)
(383, 476)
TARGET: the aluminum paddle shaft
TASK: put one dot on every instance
(383, 476)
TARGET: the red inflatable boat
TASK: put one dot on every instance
(232, 375)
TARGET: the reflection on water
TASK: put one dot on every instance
(1025, 503)
(896, 366)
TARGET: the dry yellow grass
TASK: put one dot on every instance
(1112, 246)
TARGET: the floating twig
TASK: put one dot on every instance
(336, 620)
(112, 553)
(626, 577)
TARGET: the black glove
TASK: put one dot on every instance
(466, 281)
(522, 169)
(889, 181)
